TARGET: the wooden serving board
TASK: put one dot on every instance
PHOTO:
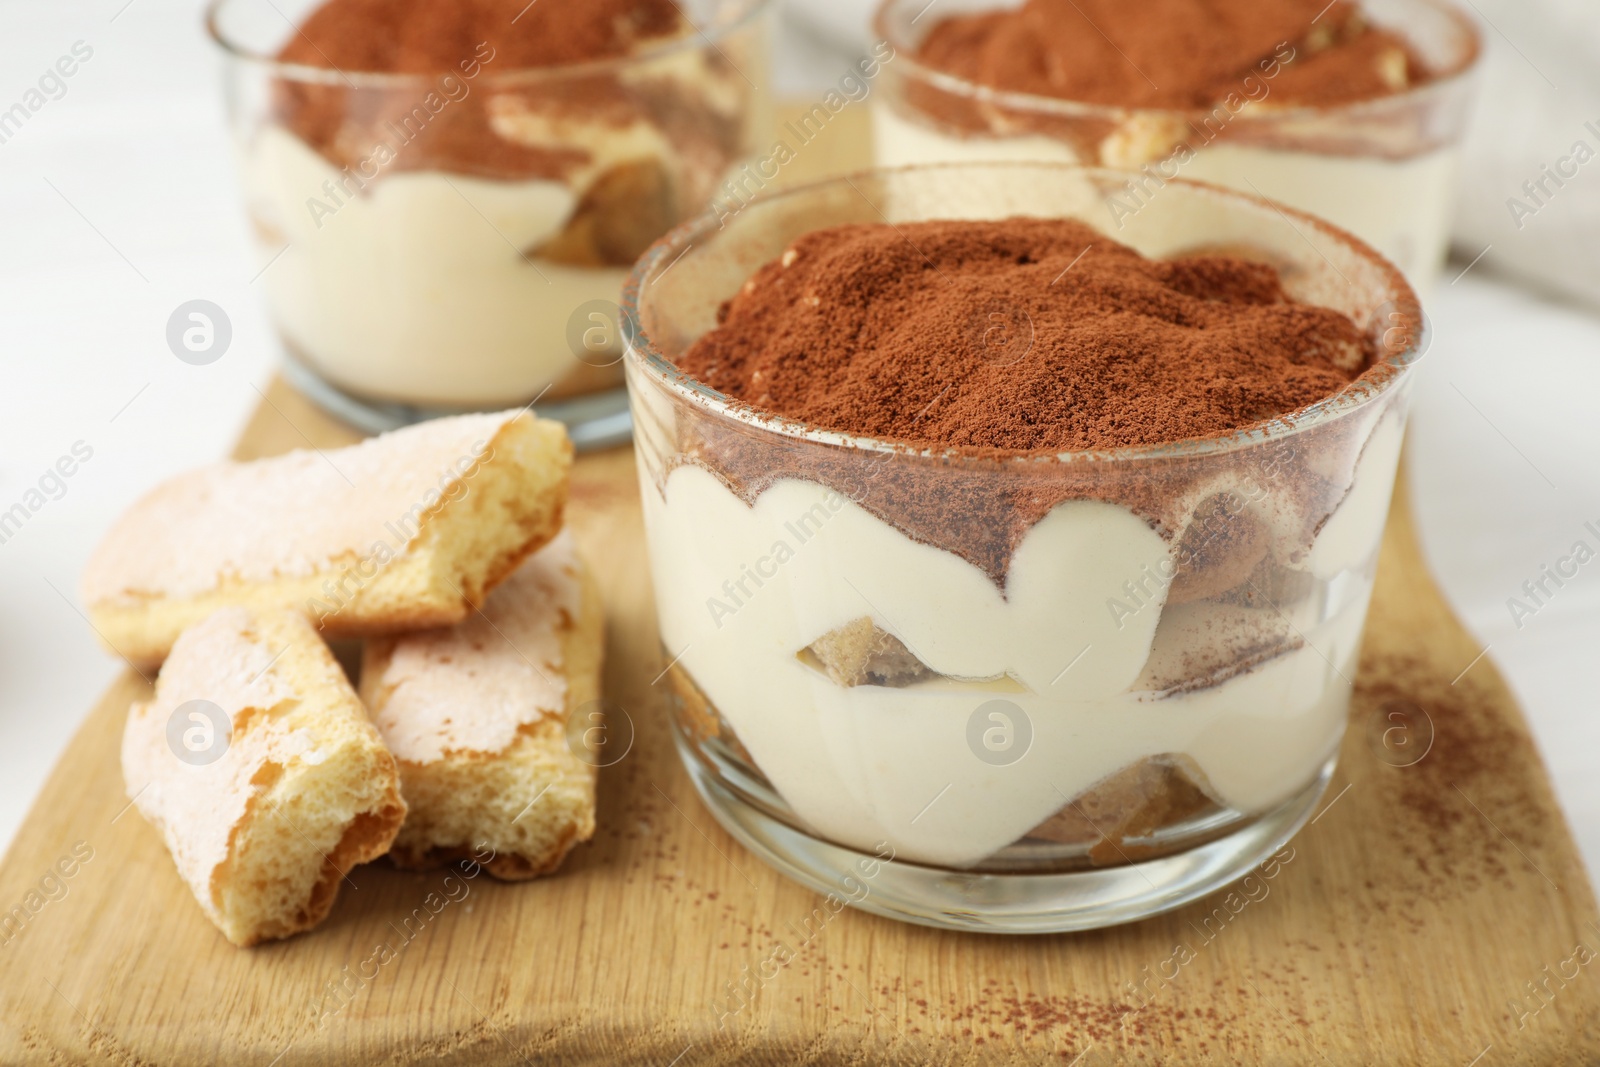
(1434, 913)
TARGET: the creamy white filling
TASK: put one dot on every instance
(416, 289)
(741, 589)
(1350, 532)
(1399, 206)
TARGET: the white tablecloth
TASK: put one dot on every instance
(121, 205)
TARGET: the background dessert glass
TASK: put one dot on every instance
(1384, 169)
(438, 243)
(1193, 727)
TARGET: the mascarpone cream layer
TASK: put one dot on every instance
(1399, 206)
(742, 589)
(417, 289)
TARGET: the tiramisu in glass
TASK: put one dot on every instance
(447, 194)
(1351, 112)
(1034, 557)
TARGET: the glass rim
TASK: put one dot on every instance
(697, 38)
(1062, 107)
(641, 353)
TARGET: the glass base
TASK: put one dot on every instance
(1000, 902)
(596, 421)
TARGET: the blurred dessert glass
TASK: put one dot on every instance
(1382, 167)
(450, 232)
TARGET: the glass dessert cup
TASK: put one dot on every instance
(1061, 691)
(431, 244)
(1384, 169)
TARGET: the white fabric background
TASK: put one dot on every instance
(121, 204)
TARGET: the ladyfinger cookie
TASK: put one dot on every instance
(478, 717)
(260, 769)
(407, 530)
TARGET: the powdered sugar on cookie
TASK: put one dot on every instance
(226, 662)
(471, 687)
(292, 515)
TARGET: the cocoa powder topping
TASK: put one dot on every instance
(1026, 335)
(448, 119)
(1177, 53)
(433, 36)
